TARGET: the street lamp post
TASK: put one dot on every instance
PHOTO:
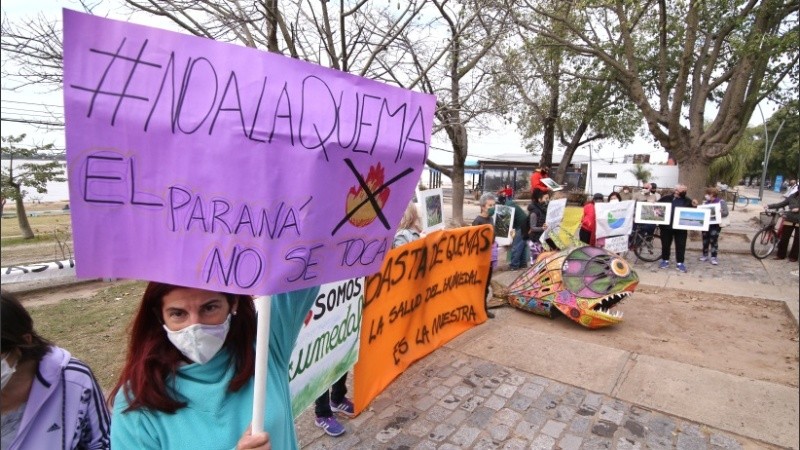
(767, 152)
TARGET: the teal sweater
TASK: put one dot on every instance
(214, 417)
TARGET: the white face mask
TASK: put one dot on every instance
(613, 200)
(7, 370)
(200, 342)
(708, 197)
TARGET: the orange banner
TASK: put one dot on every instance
(427, 292)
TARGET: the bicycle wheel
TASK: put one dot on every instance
(764, 243)
(649, 248)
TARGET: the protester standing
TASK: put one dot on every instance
(333, 400)
(677, 199)
(589, 221)
(518, 246)
(410, 228)
(487, 202)
(48, 399)
(711, 237)
(536, 181)
(790, 225)
(537, 220)
(188, 378)
(614, 197)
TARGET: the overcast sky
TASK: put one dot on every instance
(482, 143)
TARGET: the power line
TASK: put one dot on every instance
(34, 104)
(31, 122)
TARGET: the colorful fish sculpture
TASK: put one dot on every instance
(584, 283)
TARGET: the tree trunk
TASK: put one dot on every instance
(693, 173)
(22, 219)
(458, 185)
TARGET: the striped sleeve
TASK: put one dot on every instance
(94, 432)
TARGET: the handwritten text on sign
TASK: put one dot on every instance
(327, 346)
(427, 292)
(222, 167)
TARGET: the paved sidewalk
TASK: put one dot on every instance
(457, 400)
(503, 386)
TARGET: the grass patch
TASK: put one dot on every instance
(93, 329)
(37, 239)
(41, 225)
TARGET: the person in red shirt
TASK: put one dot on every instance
(536, 181)
(506, 192)
(589, 221)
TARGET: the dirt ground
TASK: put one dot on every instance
(736, 335)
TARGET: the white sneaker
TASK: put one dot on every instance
(704, 258)
(714, 261)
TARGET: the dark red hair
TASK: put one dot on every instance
(152, 358)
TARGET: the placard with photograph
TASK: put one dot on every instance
(551, 183)
(503, 219)
(691, 219)
(431, 209)
(653, 213)
(715, 216)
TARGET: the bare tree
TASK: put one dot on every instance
(448, 56)
(674, 61)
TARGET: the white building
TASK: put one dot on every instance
(604, 176)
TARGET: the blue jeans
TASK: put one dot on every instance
(518, 247)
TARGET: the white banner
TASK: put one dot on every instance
(614, 219)
(36, 272)
(327, 346)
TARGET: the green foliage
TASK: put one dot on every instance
(785, 157)
(641, 173)
(16, 177)
(731, 168)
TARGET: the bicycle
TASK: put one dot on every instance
(766, 239)
(646, 246)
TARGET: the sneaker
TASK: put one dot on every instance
(346, 408)
(329, 425)
(681, 267)
(703, 258)
(714, 261)
(664, 264)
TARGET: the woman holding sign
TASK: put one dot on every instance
(187, 381)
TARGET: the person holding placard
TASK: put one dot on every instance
(711, 237)
(518, 246)
(677, 199)
(48, 398)
(486, 203)
(536, 181)
(187, 381)
(537, 219)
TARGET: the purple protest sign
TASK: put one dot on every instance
(221, 167)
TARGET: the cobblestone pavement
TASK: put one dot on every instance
(452, 401)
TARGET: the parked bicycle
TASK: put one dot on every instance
(646, 246)
(766, 239)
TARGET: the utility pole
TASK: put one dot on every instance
(767, 152)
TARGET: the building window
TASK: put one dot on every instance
(606, 175)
